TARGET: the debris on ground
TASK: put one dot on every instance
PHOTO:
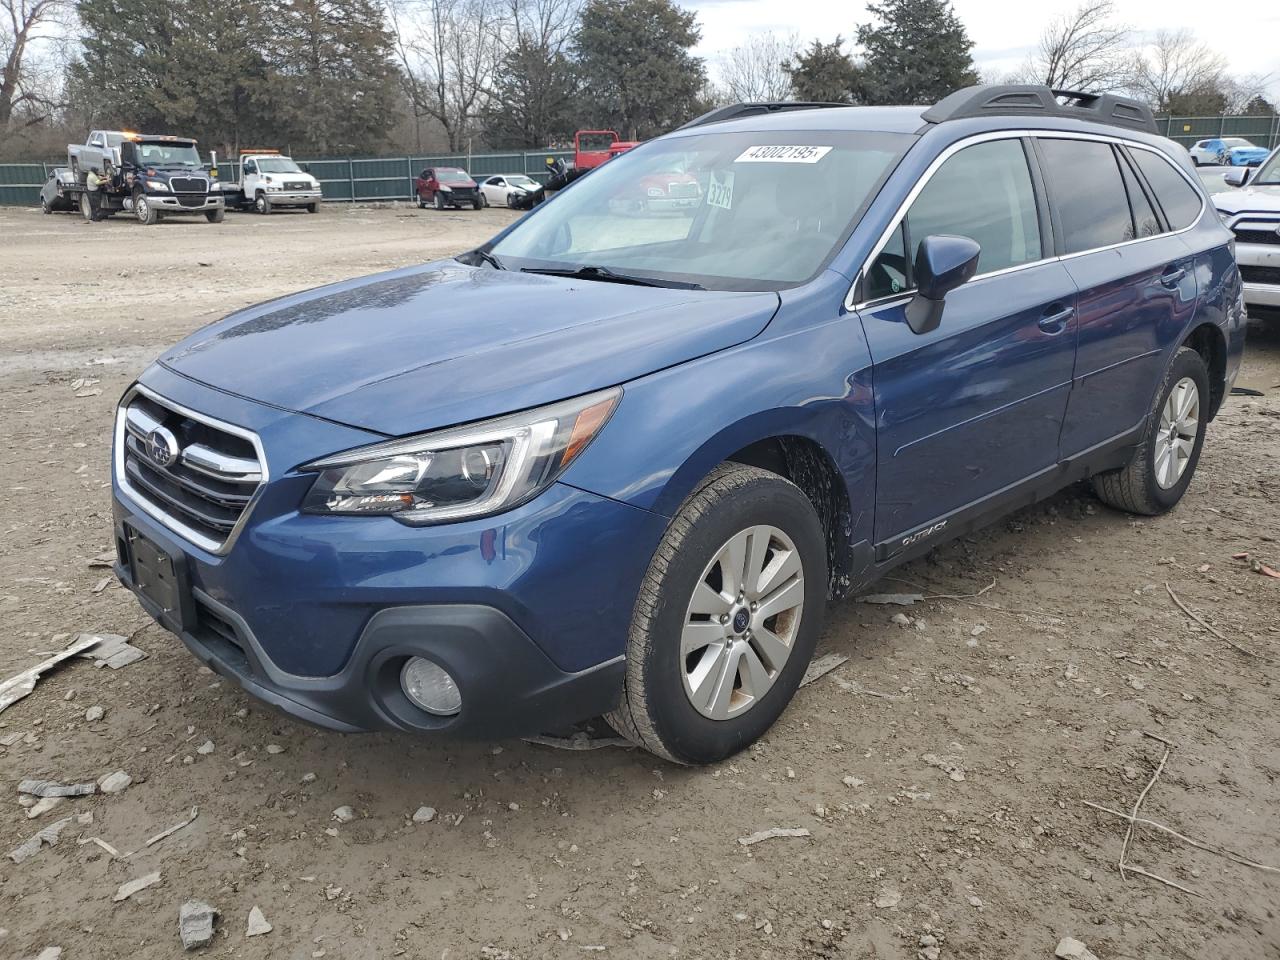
(43, 806)
(114, 782)
(821, 667)
(191, 818)
(579, 741)
(31, 846)
(888, 899)
(344, 814)
(852, 782)
(21, 684)
(1069, 948)
(114, 651)
(107, 559)
(901, 620)
(949, 765)
(899, 599)
(258, 924)
(93, 714)
(111, 851)
(127, 890)
(48, 788)
(195, 923)
(205, 748)
(773, 833)
(424, 814)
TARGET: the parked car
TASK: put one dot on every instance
(447, 187)
(1227, 151)
(506, 189)
(617, 464)
(61, 192)
(1253, 215)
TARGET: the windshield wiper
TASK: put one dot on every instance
(487, 257)
(604, 274)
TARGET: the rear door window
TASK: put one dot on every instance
(1088, 193)
(1180, 201)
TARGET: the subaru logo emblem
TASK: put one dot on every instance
(162, 446)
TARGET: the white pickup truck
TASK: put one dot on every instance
(1253, 214)
(265, 180)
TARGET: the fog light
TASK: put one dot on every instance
(428, 686)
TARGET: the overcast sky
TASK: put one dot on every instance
(1005, 32)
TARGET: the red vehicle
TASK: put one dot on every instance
(593, 147)
(447, 187)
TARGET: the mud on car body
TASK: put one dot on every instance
(617, 463)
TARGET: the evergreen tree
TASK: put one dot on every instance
(917, 54)
(1259, 106)
(533, 102)
(825, 73)
(636, 67)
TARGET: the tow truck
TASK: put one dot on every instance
(150, 175)
(265, 180)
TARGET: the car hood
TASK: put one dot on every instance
(1263, 199)
(441, 344)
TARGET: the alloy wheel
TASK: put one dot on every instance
(1176, 436)
(742, 622)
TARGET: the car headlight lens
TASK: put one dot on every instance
(215, 187)
(655, 192)
(463, 472)
(158, 185)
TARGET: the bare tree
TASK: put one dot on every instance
(1243, 89)
(541, 24)
(1177, 68)
(1083, 50)
(756, 70)
(447, 51)
(26, 26)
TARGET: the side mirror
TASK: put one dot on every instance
(942, 264)
(1236, 176)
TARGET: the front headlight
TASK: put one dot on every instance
(215, 187)
(158, 185)
(463, 472)
(445, 188)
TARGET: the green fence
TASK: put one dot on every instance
(358, 179)
(1264, 131)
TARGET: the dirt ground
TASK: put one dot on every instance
(941, 772)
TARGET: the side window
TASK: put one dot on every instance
(888, 275)
(1088, 194)
(1179, 200)
(1145, 221)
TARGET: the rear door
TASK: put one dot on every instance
(975, 407)
(1137, 290)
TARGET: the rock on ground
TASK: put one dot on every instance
(258, 924)
(195, 923)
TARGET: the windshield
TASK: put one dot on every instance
(522, 182)
(168, 155)
(1237, 142)
(1269, 172)
(277, 165)
(452, 175)
(727, 211)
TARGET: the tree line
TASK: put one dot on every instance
(356, 76)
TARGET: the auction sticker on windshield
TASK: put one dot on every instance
(778, 153)
(720, 192)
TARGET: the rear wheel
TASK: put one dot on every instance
(1165, 461)
(727, 618)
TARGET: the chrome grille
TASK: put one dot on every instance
(194, 474)
(297, 185)
(188, 184)
(683, 190)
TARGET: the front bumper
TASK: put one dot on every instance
(1254, 257)
(168, 203)
(315, 615)
(284, 198)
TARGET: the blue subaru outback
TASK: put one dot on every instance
(616, 460)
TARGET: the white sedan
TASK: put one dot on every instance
(500, 190)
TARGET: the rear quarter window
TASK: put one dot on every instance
(1180, 201)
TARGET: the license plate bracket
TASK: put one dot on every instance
(160, 578)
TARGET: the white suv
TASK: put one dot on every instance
(1253, 214)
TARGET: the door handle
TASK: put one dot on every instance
(1056, 322)
(1173, 276)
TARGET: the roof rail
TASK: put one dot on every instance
(1034, 100)
(738, 110)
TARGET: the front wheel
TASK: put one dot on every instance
(262, 203)
(145, 213)
(44, 207)
(86, 206)
(313, 208)
(1157, 476)
(439, 200)
(481, 201)
(215, 216)
(727, 618)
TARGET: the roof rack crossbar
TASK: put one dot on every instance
(1035, 100)
(738, 110)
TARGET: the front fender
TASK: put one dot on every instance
(675, 426)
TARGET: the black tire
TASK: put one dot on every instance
(1134, 487)
(86, 208)
(215, 216)
(511, 200)
(655, 712)
(44, 207)
(262, 203)
(439, 200)
(481, 201)
(313, 208)
(143, 211)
